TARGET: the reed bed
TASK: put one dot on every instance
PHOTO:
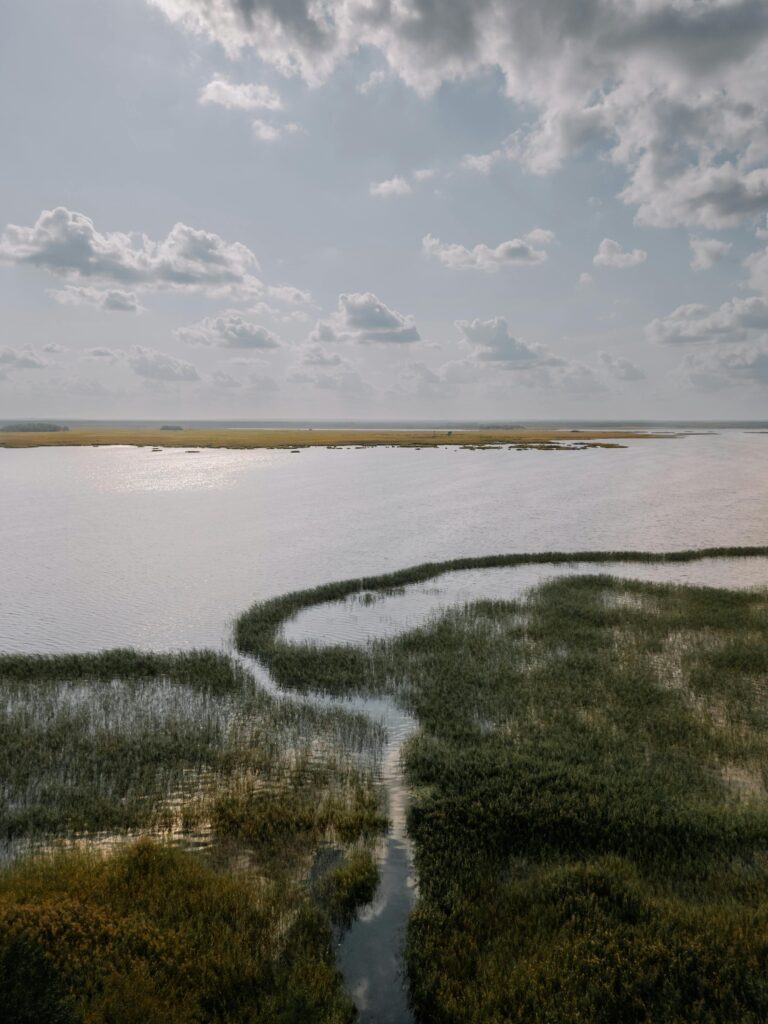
(155, 935)
(589, 793)
(125, 740)
(189, 750)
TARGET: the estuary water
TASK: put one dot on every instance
(119, 546)
(125, 546)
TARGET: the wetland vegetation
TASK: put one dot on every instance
(589, 812)
(188, 751)
(292, 438)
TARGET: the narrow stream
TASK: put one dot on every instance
(369, 954)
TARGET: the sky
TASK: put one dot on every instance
(405, 209)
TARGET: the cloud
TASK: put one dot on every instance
(399, 185)
(266, 131)
(109, 355)
(111, 299)
(493, 342)
(159, 366)
(737, 320)
(21, 359)
(343, 380)
(315, 355)
(610, 254)
(586, 279)
(417, 380)
(481, 163)
(673, 91)
(225, 381)
(706, 252)
(396, 186)
(363, 317)
(517, 251)
(620, 368)
(229, 329)
(239, 96)
(373, 81)
(288, 294)
(534, 366)
(709, 197)
(564, 375)
(67, 244)
(717, 368)
(757, 265)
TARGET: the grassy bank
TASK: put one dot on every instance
(590, 808)
(317, 437)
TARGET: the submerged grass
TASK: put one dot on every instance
(590, 793)
(126, 740)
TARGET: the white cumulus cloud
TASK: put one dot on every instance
(67, 243)
(396, 186)
(239, 95)
(515, 252)
(737, 320)
(159, 366)
(21, 359)
(610, 254)
(706, 252)
(363, 317)
(621, 368)
(229, 329)
(111, 299)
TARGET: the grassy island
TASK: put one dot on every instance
(321, 437)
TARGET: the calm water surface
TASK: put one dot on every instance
(106, 546)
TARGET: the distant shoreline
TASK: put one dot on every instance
(309, 437)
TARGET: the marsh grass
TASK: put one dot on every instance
(589, 792)
(296, 438)
(155, 935)
(125, 740)
(93, 928)
(589, 813)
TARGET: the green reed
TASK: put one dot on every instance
(590, 792)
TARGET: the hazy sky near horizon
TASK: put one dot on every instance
(384, 208)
